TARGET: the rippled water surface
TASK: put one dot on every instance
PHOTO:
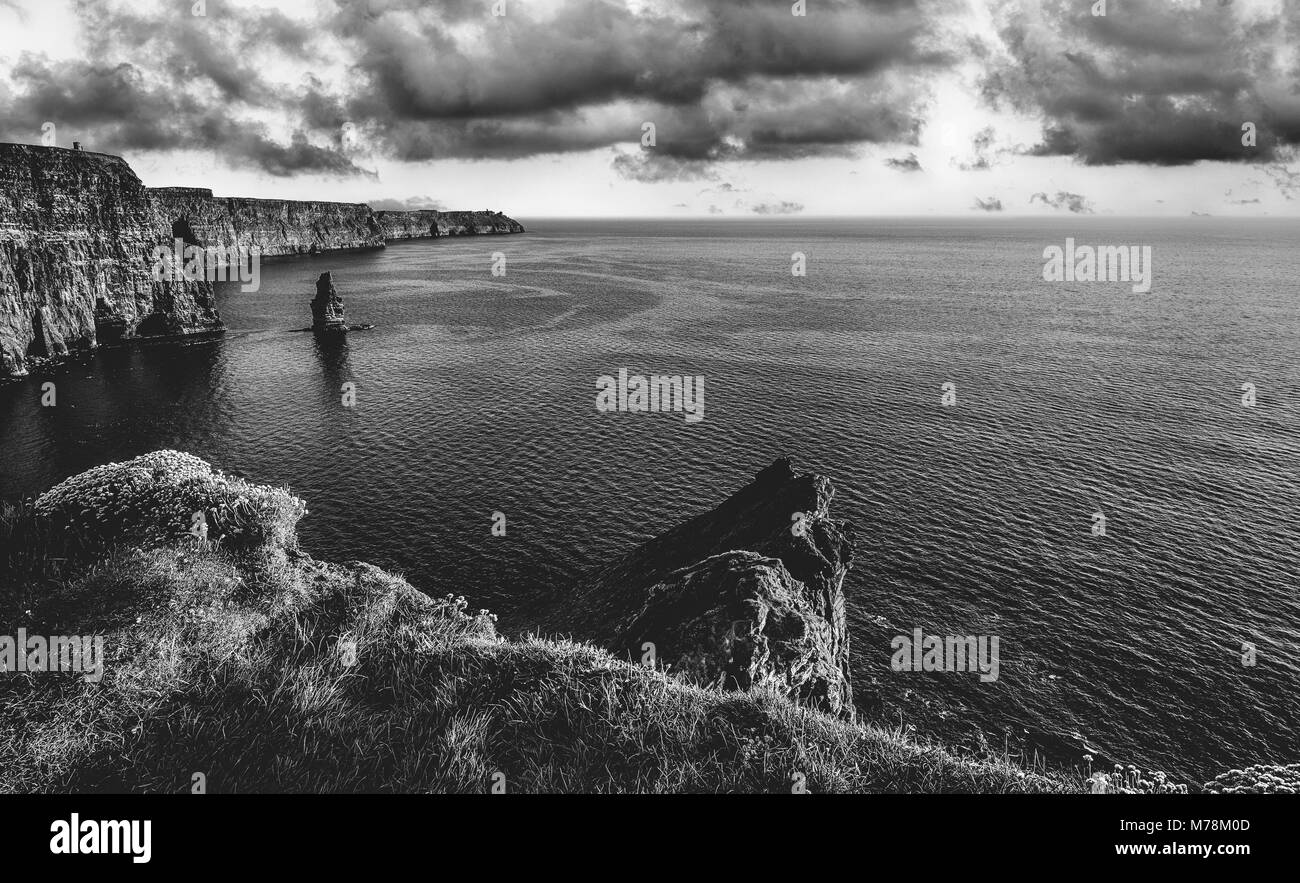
(476, 394)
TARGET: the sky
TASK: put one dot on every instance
(543, 108)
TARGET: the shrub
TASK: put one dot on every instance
(168, 497)
(1258, 779)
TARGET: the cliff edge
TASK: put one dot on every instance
(229, 650)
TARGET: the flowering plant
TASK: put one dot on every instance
(168, 497)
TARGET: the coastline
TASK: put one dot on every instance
(78, 229)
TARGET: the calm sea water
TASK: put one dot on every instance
(476, 394)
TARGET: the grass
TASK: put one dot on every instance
(268, 671)
(282, 673)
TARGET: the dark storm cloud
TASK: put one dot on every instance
(189, 84)
(992, 204)
(733, 79)
(719, 81)
(1151, 82)
(593, 53)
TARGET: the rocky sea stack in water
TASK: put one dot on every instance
(327, 307)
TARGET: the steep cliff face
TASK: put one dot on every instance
(408, 225)
(428, 222)
(283, 227)
(748, 595)
(275, 226)
(77, 231)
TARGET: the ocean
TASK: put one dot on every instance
(475, 394)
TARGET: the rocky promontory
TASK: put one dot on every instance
(78, 232)
(747, 595)
(429, 222)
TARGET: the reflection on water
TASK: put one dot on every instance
(332, 351)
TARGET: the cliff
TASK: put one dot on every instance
(275, 226)
(285, 227)
(229, 650)
(77, 231)
(744, 596)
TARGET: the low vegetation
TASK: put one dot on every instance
(266, 670)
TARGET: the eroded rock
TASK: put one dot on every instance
(327, 306)
(740, 621)
(770, 554)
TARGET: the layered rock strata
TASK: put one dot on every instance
(327, 306)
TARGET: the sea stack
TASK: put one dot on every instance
(327, 308)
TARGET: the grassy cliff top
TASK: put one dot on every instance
(266, 670)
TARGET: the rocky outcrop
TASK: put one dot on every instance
(327, 306)
(740, 621)
(748, 594)
(77, 234)
(428, 222)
